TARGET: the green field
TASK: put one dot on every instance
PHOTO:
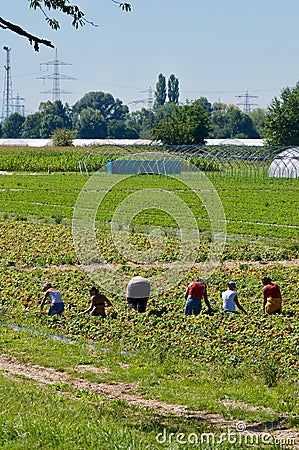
(241, 367)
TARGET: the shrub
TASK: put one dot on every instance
(62, 137)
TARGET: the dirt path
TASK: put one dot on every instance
(128, 393)
(222, 264)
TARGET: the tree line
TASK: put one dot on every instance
(98, 115)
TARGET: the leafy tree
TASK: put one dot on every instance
(204, 102)
(239, 124)
(228, 121)
(109, 107)
(38, 125)
(49, 123)
(173, 90)
(282, 122)
(117, 129)
(188, 124)
(63, 137)
(258, 117)
(91, 124)
(219, 121)
(160, 92)
(142, 121)
(63, 6)
(57, 109)
(164, 111)
(12, 126)
(31, 126)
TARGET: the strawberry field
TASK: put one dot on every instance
(36, 211)
(219, 339)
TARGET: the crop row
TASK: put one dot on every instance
(232, 339)
(40, 159)
(249, 208)
(35, 244)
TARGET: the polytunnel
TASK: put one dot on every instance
(227, 159)
(285, 164)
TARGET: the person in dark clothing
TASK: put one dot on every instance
(97, 304)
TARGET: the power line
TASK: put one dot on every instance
(150, 97)
(18, 106)
(56, 76)
(246, 104)
(149, 100)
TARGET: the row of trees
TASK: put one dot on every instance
(161, 92)
(96, 115)
(99, 115)
(222, 120)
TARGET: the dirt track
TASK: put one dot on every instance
(223, 264)
(129, 394)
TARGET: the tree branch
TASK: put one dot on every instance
(65, 7)
(32, 39)
(124, 6)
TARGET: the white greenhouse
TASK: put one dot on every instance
(285, 164)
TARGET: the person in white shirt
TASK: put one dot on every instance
(138, 292)
(57, 305)
(230, 299)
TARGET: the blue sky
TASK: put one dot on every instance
(216, 49)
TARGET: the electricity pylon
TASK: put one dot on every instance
(56, 76)
(149, 100)
(7, 107)
(246, 104)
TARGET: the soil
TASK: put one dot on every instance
(129, 394)
(224, 264)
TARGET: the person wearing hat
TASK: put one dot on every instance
(137, 293)
(230, 299)
(57, 305)
(195, 292)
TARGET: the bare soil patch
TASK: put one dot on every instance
(242, 405)
(128, 393)
(224, 264)
(87, 368)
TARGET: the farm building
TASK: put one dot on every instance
(285, 164)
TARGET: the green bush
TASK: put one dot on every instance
(63, 137)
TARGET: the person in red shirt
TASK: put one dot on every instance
(194, 294)
(272, 296)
